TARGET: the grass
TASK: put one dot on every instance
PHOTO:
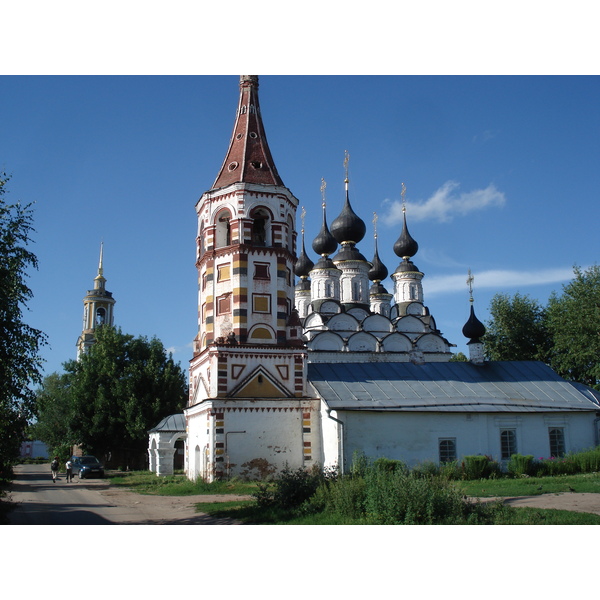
(249, 513)
(531, 486)
(146, 482)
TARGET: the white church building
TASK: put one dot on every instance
(307, 373)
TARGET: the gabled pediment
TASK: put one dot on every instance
(260, 384)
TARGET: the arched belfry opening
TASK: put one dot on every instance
(261, 233)
(223, 229)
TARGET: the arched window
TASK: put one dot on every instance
(223, 229)
(260, 227)
(100, 316)
(508, 443)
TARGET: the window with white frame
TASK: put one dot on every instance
(508, 443)
(557, 441)
(447, 448)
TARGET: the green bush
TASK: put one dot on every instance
(451, 470)
(394, 497)
(566, 465)
(344, 497)
(390, 465)
(359, 465)
(589, 460)
(426, 469)
(520, 465)
(290, 488)
(479, 467)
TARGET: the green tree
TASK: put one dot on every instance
(54, 414)
(118, 390)
(459, 357)
(20, 362)
(517, 329)
(574, 323)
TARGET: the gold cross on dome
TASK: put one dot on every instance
(470, 280)
(346, 161)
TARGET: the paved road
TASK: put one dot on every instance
(39, 501)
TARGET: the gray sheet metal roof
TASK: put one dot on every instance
(171, 423)
(520, 386)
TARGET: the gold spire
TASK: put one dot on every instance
(100, 264)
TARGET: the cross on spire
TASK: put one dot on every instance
(470, 280)
(346, 161)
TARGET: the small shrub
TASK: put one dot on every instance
(479, 467)
(344, 497)
(360, 464)
(264, 495)
(426, 469)
(390, 465)
(520, 465)
(588, 461)
(399, 498)
(451, 470)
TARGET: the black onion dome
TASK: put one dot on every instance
(303, 265)
(324, 244)
(405, 246)
(348, 227)
(474, 328)
(378, 271)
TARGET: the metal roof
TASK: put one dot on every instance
(170, 423)
(520, 386)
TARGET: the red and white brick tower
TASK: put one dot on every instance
(248, 372)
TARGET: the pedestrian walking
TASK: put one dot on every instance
(69, 466)
(54, 469)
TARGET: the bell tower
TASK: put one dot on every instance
(247, 350)
(98, 307)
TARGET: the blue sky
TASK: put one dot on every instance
(501, 174)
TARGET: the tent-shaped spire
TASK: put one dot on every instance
(248, 159)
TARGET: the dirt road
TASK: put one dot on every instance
(39, 501)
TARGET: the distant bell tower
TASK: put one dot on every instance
(97, 308)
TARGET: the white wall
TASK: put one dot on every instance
(413, 437)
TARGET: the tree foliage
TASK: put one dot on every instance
(517, 329)
(565, 334)
(20, 362)
(574, 324)
(54, 414)
(109, 398)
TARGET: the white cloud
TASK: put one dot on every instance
(445, 204)
(497, 279)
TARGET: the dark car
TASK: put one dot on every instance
(87, 466)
